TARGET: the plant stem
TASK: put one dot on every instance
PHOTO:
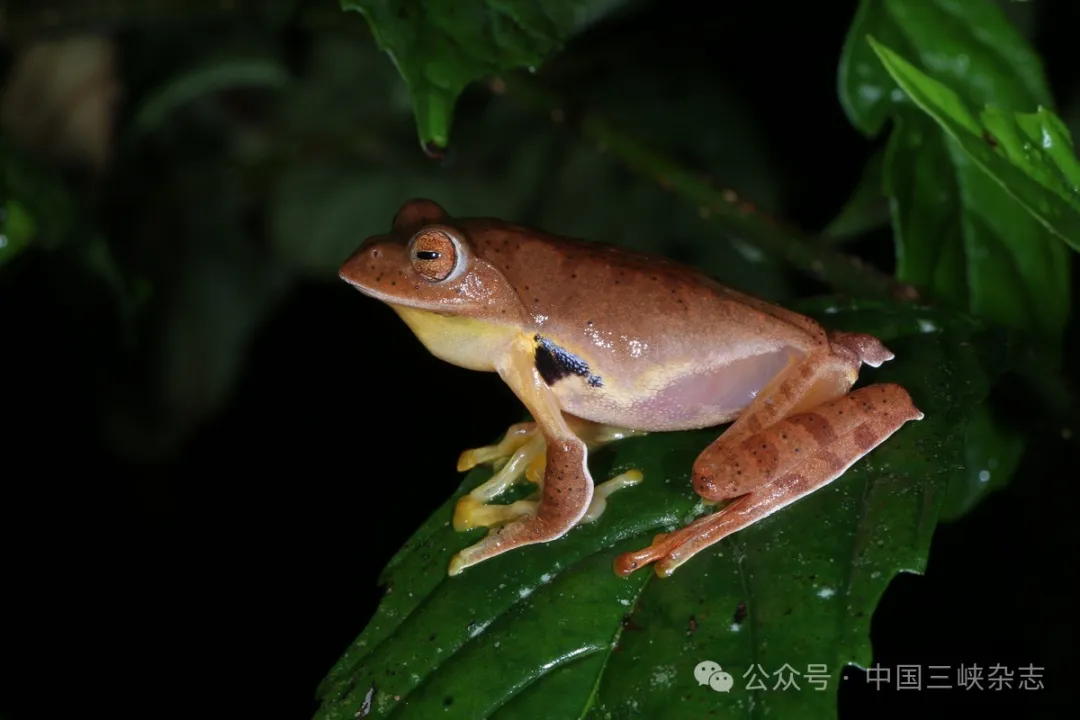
(722, 208)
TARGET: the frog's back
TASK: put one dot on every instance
(577, 288)
(643, 324)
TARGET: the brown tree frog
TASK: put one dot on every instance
(599, 343)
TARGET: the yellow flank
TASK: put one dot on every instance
(463, 341)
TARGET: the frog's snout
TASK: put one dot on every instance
(364, 260)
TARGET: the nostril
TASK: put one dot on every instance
(376, 253)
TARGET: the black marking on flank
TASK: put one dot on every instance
(554, 363)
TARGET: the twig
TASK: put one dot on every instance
(723, 208)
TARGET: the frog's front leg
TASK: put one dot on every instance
(521, 455)
(517, 436)
(802, 433)
(567, 489)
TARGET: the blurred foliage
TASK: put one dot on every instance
(258, 143)
(441, 47)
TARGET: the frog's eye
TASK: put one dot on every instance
(434, 254)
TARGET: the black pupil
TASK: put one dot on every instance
(427, 255)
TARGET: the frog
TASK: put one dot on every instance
(601, 343)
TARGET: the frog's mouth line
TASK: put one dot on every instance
(395, 302)
(376, 294)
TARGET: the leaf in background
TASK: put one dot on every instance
(349, 163)
(550, 631)
(213, 76)
(968, 44)
(42, 212)
(1029, 154)
(214, 288)
(921, 182)
(37, 199)
(867, 209)
(712, 134)
(960, 236)
(17, 229)
(323, 210)
(989, 256)
(993, 450)
(943, 214)
(347, 89)
(439, 47)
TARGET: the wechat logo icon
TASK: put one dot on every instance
(711, 674)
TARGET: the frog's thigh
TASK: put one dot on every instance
(726, 469)
(721, 471)
(795, 457)
(567, 488)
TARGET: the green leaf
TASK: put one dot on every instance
(1029, 154)
(921, 182)
(550, 631)
(993, 450)
(441, 47)
(866, 209)
(968, 44)
(953, 223)
(961, 236)
(958, 237)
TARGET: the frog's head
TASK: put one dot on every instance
(426, 262)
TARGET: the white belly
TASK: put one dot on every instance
(680, 401)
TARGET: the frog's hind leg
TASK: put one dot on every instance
(604, 490)
(796, 456)
(800, 433)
